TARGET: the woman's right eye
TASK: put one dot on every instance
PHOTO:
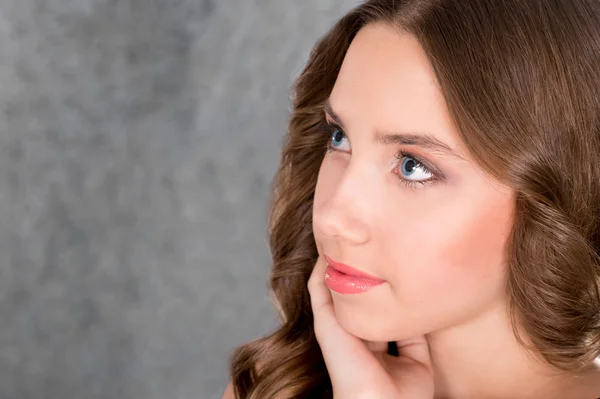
(338, 141)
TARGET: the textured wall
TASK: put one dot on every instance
(138, 139)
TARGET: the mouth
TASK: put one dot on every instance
(345, 269)
(344, 279)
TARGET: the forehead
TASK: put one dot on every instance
(386, 83)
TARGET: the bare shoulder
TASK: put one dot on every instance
(229, 393)
(596, 388)
(591, 383)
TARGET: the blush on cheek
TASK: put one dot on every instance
(460, 256)
(476, 251)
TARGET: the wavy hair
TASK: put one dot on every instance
(521, 80)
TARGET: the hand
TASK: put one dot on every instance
(362, 369)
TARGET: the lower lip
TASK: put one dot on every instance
(347, 284)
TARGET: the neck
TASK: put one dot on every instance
(482, 359)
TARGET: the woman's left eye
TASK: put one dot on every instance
(412, 172)
(412, 169)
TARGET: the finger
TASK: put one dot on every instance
(412, 369)
(320, 297)
(377, 347)
(416, 349)
(342, 351)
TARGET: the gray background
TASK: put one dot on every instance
(138, 139)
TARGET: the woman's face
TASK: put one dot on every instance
(399, 198)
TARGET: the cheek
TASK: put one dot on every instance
(329, 176)
(455, 251)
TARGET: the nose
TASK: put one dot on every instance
(344, 207)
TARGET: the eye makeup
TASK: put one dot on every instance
(404, 160)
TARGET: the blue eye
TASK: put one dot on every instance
(408, 166)
(337, 137)
(338, 141)
(412, 169)
(409, 169)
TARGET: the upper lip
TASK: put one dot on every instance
(347, 269)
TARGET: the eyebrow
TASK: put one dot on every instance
(405, 138)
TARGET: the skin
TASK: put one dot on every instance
(441, 246)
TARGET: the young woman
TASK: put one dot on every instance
(435, 224)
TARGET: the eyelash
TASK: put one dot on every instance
(401, 154)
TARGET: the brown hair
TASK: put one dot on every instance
(522, 84)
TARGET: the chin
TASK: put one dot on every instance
(372, 326)
(363, 325)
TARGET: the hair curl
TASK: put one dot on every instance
(521, 82)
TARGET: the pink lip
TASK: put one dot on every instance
(347, 280)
